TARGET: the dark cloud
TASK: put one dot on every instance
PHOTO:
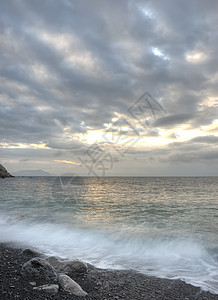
(210, 139)
(172, 120)
(192, 157)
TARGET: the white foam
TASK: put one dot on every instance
(174, 258)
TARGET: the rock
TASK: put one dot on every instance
(48, 288)
(39, 268)
(69, 285)
(4, 173)
(90, 266)
(68, 267)
(32, 253)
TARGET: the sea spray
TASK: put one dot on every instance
(159, 226)
(171, 257)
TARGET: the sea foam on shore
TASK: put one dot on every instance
(98, 283)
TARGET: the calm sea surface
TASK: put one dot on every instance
(167, 226)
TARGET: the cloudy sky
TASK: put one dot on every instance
(72, 73)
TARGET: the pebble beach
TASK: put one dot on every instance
(98, 283)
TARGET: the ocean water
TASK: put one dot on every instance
(167, 226)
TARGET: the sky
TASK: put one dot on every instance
(109, 88)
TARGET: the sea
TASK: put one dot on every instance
(161, 226)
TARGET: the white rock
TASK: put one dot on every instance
(48, 288)
(69, 285)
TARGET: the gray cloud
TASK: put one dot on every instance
(211, 139)
(67, 67)
(192, 157)
(172, 120)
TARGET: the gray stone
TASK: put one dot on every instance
(69, 285)
(68, 267)
(39, 268)
(90, 266)
(32, 253)
(48, 288)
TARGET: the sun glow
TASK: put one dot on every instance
(68, 162)
(23, 146)
(185, 135)
(212, 128)
(152, 141)
(195, 57)
(93, 136)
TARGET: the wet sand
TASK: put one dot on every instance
(98, 283)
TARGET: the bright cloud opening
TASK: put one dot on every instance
(157, 52)
(195, 57)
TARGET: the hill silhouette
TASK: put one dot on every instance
(4, 173)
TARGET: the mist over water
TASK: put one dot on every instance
(165, 227)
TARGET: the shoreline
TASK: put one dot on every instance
(98, 283)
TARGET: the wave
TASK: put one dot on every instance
(167, 257)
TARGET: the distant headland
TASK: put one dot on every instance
(4, 173)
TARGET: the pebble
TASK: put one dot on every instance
(69, 285)
(48, 288)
